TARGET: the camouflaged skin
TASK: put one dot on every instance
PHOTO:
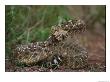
(59, 47)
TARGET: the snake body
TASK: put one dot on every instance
(59, 48)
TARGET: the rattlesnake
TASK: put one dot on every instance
(59, 48)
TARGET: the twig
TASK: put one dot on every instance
(27, 36)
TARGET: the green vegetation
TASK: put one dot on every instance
(31, 23)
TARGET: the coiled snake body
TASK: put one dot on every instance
(59, 48)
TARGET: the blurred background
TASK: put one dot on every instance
(24, 24)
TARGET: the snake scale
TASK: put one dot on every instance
(59, 49)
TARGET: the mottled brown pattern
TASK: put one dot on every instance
(59, 49)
